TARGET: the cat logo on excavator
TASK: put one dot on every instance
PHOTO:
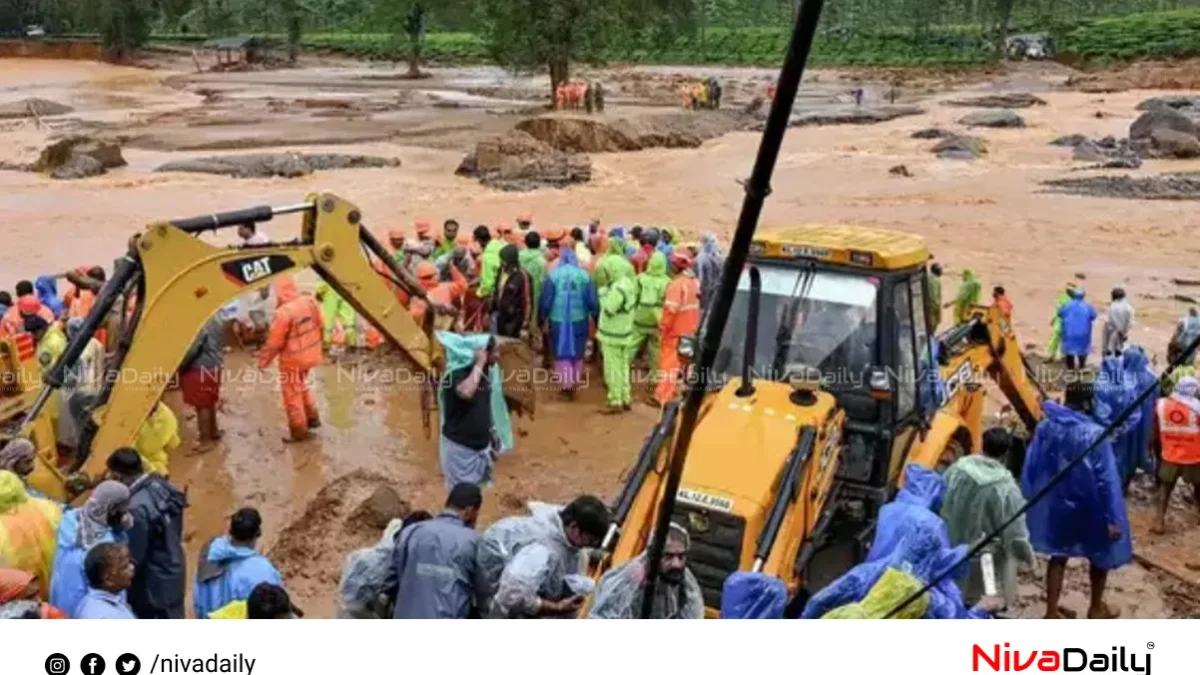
(245, 271)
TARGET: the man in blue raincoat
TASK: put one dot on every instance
(753, 595)
(1077, 317)
(1137, 368)
(912, 538)
(1083, 516)
(230, 567)
(568, 300)
(47, 292)
(1116, 391)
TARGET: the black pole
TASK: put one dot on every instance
(1185, 357)
(757, 189)
(751, 346)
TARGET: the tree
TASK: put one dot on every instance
(414, 28)
(124, 26)
(292, 18)
(531, 34)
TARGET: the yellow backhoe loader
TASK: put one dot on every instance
(177, 283)
(823, 388)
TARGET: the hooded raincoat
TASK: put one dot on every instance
(910, 537)
(651, 293)
(1075, 518)
(620, 593)
(340, 319)
(612, 266)
(1117, 390)
(753, 595)
(616, 335)
(80, 530)
(1077, 317)
(1137, 368)
(522, 559)
(969, 293)
(156, 549)
(533, 261)
(27, 530)
(227, 573)
(709, 265)
(367, 574)
(568, 300)
(981, 493)
(47, 292)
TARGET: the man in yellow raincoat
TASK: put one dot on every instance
(28, 529)
(341, 321)
(158, 436)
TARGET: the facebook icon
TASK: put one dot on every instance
(92, 664)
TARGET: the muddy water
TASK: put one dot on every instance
(989, 215)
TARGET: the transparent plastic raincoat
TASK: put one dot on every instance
(524, 558)
(1073, 520)
(1137, 368)
(1117, 390)
(367, 574)
(620, 593)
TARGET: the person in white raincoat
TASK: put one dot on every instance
(620, 592)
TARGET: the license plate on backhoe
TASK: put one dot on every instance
(704, 500)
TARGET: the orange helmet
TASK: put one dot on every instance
(29, 304)
(553, 234)
(422, 226)
(681, 259)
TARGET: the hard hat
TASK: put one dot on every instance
(422, 226)
(555, 233)
(29, 304)
(396, 233)
(681, 259)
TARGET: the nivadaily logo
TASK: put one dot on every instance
(1069, 660)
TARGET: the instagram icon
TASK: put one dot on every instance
(57, 664)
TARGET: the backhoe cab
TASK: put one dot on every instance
(825, 387)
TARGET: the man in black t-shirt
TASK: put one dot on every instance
(468, 443)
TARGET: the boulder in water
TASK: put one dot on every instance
(32, 107)
(997, 119)
(855, 115)
(931, 133)
(78, 166)
(900, 170)
(1173, 144)
(1087, 151)
(60, 153)
(518, 162)
(268, 165)
(1070, 141)
(1016, 100)
(1161, 118)
(960, 146)
(1177, 102)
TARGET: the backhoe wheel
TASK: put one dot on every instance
(953, 451)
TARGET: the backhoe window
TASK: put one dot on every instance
(828, 323)
(906, 371)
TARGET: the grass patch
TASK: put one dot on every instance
(1157, 35)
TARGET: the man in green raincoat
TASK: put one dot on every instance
(335, 309)
(533, 261)
(613, 265)
(981, 493)
(651, 292)
(490, 269)
(969, 294)
(1056, 324)
(615, 332)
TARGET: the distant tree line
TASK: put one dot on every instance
(550, 35)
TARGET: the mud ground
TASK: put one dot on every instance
(989, 214)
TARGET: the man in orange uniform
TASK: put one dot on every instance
(446, 293)
(680, 317)
(13, 321)
(1178, 423)
(295, 337)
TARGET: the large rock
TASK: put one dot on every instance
(383, 506)
(1174, 144)
(78, 166)
(1088, 151)
(1173, 186)
(519, 162)
(932, 132)
(854, 115)
(1161, 118)
(1018, 100)
(1070, 141)
(61, 152)
(268, 165)
(1176, 102)
(32, 107)
(960, 147)
(664, 130)
(1000, 119)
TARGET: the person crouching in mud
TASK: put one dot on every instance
(469, 442)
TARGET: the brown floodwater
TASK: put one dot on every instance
(989, 215)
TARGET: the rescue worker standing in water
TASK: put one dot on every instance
(295, 337)
(680, 318)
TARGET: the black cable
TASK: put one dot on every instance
(1186, 356)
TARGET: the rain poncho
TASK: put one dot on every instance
(339, 317)
(612, 266)
(77, 534)
(753, 595)
(366, 576)
(1137, 368)
(1116, 391)
(568, 300)
(969, 293)
(82, 382)
(47, 292)
(460, 353)
(533, 261)
(227, 573)
(522, 559)
(27, 530)
(157, 437)
(434, 563)
(910, 537)
(620, 593)
(981, 493)
(1073, 520)
(1077, 317)
(709, 264)
(490, 271)
(892, 589)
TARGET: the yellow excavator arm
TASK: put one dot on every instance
(180, 282)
